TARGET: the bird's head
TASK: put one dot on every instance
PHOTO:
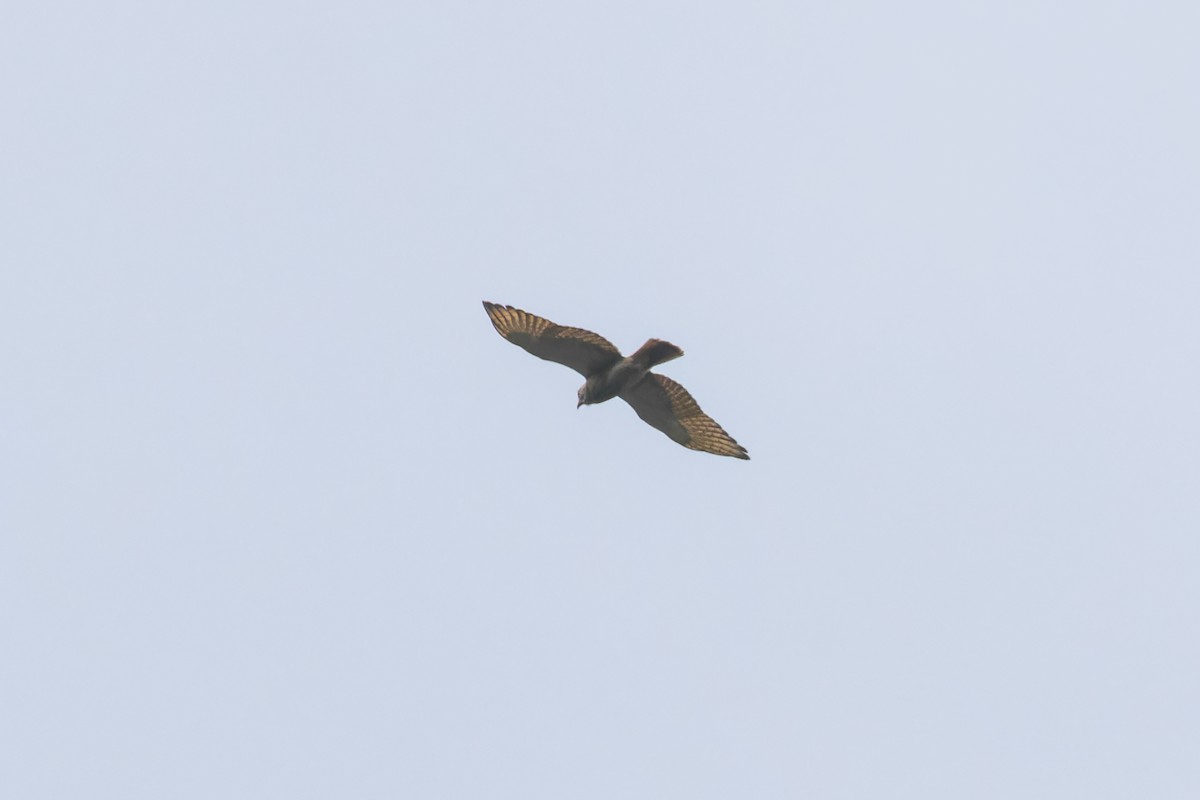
(583, 396)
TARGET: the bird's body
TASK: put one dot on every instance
(657, 399)
(608, 384)
(625, 373)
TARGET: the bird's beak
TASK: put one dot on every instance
(577, 405)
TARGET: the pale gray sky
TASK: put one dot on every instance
(282, 516)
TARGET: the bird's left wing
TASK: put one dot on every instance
(664, 404)
(583, 351)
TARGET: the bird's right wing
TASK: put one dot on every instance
(583, 351)
(664, 404)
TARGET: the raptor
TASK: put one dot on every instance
(659, 401)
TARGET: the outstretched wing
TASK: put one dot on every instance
(583, 351)
(664, 404)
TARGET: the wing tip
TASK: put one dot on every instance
(733, 450)
(724, 448)
(504, 318)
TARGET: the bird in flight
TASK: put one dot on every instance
(659, 401)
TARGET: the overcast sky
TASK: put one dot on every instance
(282, 516)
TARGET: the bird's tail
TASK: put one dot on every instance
(654, 352)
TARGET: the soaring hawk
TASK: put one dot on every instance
(658, 400)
